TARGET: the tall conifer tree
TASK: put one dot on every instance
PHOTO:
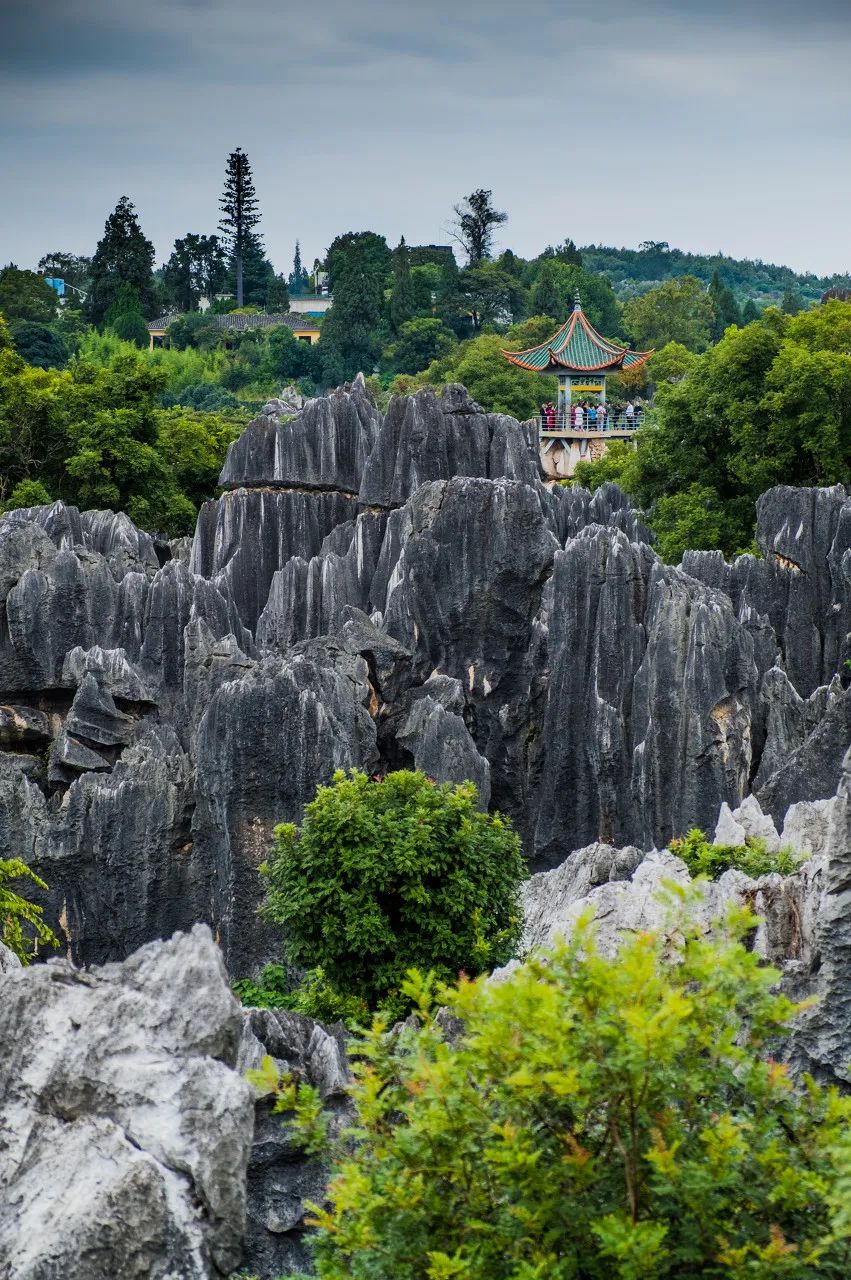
(402, 301)
(239, 207)
(123, 256)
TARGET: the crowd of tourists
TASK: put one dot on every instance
(589, 416)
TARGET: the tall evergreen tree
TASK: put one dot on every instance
(257, 273)
(724, 306)
(791, 304)
(449, 303)
(298, 282)
(750, 312)
(125, 317)
(350, 339)
(402, 300)
(123, 256)
(277, 295)
(239, 214)
(546, 296)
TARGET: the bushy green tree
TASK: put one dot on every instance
(195, 269)
(547, 296)
(420, 341)
(725, 309)
(24, 295)
(792, 302)
(40, 345)
(750, 312)
(391, 873)
(288, 358)
(196, 329)
(27, 493)
(124, 317)
(74, 269)
(609, 1118)
(498, 386)
(675, 311)
(22, 926)
(351, 340)
(402, 303)
(123, 257)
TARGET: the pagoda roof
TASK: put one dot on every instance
(577, 347)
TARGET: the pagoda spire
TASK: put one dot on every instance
(577, 301)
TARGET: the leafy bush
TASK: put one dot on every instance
(40, 345)
(388, 874)
(27, 493)
(314, 996)
(17, 912)
(596, 1118)
(754, 858)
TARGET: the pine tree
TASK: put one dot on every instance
(239, 214)
(350, 337)
(277, 295)
(123, 256)
(257, 273)
(449, 303)
(402, 301)
(724, 307)
(750, 312)
(299, 281)
(546, 296)
(791, 304)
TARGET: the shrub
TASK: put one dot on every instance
(17, 912)
(27, 493)
(388, 874)
(594, 1118)
(314, 996)
(712, 860)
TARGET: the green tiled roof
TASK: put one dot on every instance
(577, 347)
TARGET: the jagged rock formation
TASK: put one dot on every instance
(280, 1176)
(124, 1133)
(395, 591)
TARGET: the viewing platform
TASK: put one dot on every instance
(563, 426)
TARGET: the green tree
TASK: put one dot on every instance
(402, 304)
(421, 340)
(298, 281)
(449, 304)
(196, 329)
(547, 298)
(476, 220)
(670, 363)
(792, 303)
(74, 269)
(125, 317)
(387, 874)
(725, 310)
(40, 345)
(676, 311)
(22, 926)
(497, 385)
(239, 207)
(27, 493)
(491, 296)
(277, 296)
(351, 340)
(123, 257)
(288, 358)
(258, 274)
(750, 312)
(195, 270)
(609, 1118)
(26, 296)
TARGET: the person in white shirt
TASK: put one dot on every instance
(630, 413)
(578, 417)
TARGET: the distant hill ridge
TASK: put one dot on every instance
(634, 271)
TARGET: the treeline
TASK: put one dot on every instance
(633, 271)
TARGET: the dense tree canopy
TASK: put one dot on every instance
(123, 257)
(676, 311)
(24, 295)
(588, 1118)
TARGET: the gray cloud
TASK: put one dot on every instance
(709, 126)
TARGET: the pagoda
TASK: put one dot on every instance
(580, 357)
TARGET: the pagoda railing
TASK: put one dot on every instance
(561, 422)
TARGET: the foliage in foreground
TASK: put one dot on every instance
(388, 874)
(595, 1118)
(313, 996)
(22, 928)
(753, 857)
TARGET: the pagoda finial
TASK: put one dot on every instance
(577, 304)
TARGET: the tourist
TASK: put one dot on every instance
(601, 417)
(592, 417)
(578, 417)
(551, 416)
(544, 420)
(629, 413)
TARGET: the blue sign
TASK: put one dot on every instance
(57, 284)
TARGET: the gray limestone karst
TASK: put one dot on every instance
(281, 1178)
(324, 447)
(125, 1131)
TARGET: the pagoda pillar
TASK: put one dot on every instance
(563, 406)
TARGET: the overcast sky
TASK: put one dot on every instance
(707, 123)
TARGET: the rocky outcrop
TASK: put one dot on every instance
(125, 1132)
(384, 592)
(281, 1178)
